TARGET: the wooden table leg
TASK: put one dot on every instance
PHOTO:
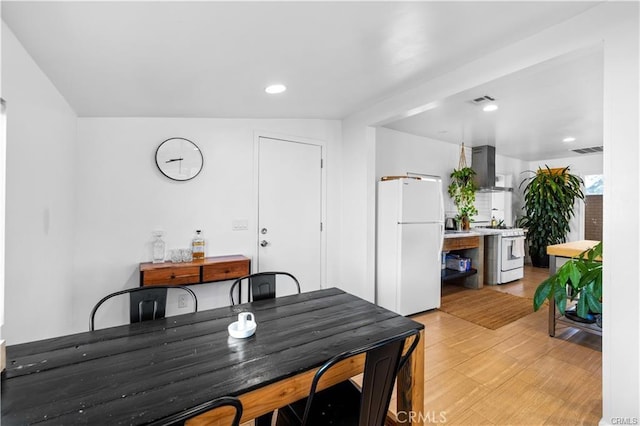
(410, 389)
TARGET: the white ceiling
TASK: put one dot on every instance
(213, 59)
(537, 108)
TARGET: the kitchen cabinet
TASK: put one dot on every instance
(466, 244)
(211, 269)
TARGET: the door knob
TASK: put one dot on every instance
(264, 243)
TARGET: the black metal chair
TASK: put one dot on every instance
(261, 285)
(146, 303)
(179, 419)
(345, 403)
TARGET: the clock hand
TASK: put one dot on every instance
(174, 159)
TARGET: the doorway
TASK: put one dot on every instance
(290, 209)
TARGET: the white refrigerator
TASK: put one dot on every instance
(410, 231)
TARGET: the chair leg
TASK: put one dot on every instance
(264, 420)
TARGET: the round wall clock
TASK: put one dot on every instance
(179, 159)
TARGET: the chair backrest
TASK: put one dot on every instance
(146, 303)
(383, 362)
(261, 285)
(179, 419)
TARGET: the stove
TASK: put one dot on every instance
(504, 252)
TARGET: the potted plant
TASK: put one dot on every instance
(462, 191)
(549, 197)
(584, 274)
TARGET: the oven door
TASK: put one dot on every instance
(512, 253)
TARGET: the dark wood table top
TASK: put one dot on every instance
(134, 374)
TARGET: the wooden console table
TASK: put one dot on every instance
(567, 251)
(217, 268)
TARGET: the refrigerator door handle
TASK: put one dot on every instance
(441, 206)
(441, 240)
(442, 224)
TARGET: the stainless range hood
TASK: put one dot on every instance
(483, 162)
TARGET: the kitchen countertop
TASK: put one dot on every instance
(460, 234)
(473, 233)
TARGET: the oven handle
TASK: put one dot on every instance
(517, 237)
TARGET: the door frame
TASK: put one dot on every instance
(323, 195)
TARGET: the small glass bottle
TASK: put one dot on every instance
(158, 247)
(197, 246)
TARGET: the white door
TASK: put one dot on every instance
(290, 210)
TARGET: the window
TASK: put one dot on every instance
(593, 184)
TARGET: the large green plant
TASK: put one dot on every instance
(549, 197)
(462, 191)
(584, 274)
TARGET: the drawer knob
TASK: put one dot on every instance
(173, 276)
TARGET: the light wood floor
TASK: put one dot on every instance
(516, 375)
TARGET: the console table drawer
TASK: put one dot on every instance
(177, 275)
(211, 269)
(225, 270)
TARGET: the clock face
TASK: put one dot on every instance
(179, 159)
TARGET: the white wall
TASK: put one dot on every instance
(122, 197)
(3, 157)
(512, 168)
(398, 153)
(83, 196)
(40, 214)
(357, 243)
(616, 25)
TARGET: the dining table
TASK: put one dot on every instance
(145, 372)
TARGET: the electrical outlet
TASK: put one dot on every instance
(182, 301)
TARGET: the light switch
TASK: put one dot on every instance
(240, 225)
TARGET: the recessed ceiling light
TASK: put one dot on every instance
(490, 107)
(569, 139)
(275, 88)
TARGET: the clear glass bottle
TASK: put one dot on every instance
(197, 246)
(158, 247)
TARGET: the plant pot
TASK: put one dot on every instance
(466, 224)
(573, 316)
(540, 261)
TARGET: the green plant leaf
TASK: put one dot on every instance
(594, 304)
(574, 273)
(560, 296)
(541, 294)
(582, 308)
